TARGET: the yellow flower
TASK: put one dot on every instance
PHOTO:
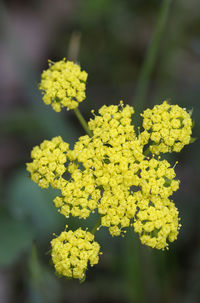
(72, 251)
(79, 195)
(169, 128)
(63, 84)
(157, 178)
(110, 173)
(48, 163)
(156, 222)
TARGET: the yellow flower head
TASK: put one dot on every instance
(63, 84)
(110, 158)
(113, 124)
(111, 174)
(48, 162)
(72, 251)
(108, 172)
(156, 221)
(169, 128)
(79, 195)
(157, 178)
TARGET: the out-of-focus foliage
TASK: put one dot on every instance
(26, 201)
(15, 237)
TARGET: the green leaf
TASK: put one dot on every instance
(192, 140)
(29, 202)
(42, 283)
(15, 238)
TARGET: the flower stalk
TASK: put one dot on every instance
(82, 121)
(96, 226)
(150, 58)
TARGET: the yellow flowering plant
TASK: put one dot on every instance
(111, 170)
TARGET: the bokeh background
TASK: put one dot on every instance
(110, 39)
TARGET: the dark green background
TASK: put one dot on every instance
(115, 36)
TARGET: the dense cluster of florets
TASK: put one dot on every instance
(63, 85)
(156, 221)
(72, 251)
(169, 127)
(113, 171)
(48, 164)
(109, 172)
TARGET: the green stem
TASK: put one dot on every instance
(98, 223)
(150, 58)
(82, 121)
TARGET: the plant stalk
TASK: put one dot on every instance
(150, 58)
(82, 121)
(98, 223)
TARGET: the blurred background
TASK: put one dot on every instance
(110, 38)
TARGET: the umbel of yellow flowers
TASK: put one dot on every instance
(63, 85)
(72, 251)
(115, 172)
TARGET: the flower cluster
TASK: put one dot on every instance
(72, 251)
(112, 171)
(156, 221)
(63, 85)
(169, 127)
(157, 178)
(48, 164)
